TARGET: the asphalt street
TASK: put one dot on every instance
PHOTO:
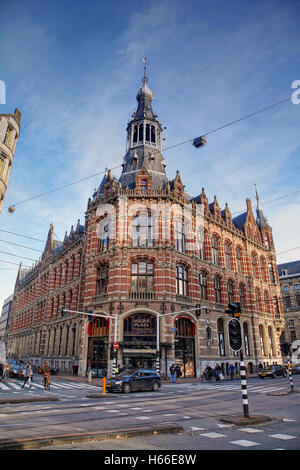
(200, 408)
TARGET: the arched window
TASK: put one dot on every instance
(135, 130)
(104, 235)
(215, 254)
(203, 285)
(181, 280)
(239, 260)
(263, 269)
(271, 273)
(254, 265)
(261, 340)
(180, 237)
(141, 132)
(102, 279)
(142, 230)
(201, 244)
(227, 255)
(153, 135)
(141, 277)
(230, 291)
(217, 289)
(221, 336)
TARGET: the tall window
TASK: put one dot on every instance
(203, 285)
(201, 245)
(242, 295)
(2, 160)
(104, 235)
(254, 265)
(180, 236)
(227, 256)
(142, 277)
(102, 279)
(270, 339)
(221, 336)
(217, 288)
(257, 298)
(263, 269)
(181, 280)
(7, 135)
(261, 340)
(276, 305)
(215, 254)
(142, 227)
(239, 260)
(271, 273)
(230, 292)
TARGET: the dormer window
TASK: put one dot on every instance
(284, 272)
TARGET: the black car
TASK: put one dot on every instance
(272, 371)
(134, 380)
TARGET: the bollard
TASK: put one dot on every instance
(90, 376)
(290, 374)
(103, 386)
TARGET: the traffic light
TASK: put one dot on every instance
(62, 311)
(235, 334)
(234, 309)
(199, 141)
(90, 316)
(198, 311)
(113, 352)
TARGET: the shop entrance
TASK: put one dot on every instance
(139, 341)
(185, 346)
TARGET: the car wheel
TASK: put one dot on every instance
(127, 388)
(155, 387)
(262, 378)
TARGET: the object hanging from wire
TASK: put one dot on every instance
(11, 209)
(199, 141)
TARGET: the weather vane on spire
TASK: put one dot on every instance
(145, 67)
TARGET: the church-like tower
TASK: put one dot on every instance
(144, 144)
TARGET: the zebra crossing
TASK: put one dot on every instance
(15, 387)
(237, 387)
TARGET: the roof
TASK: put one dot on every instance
(293, 267)
(240, 220)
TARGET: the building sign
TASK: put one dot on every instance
(140, 324)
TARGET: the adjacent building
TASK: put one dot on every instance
(147, 253)
(289, 277)
(5, 318)
(9, 134)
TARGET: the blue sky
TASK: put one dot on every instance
(73, 69)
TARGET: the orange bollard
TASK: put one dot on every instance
(103, 386)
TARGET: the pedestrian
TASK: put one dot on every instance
(208, 373)
(178, 372)
(46, 374)
(217, 372)
(4, 373)
(172, 373)
(1, 372)
(231, 369)
(28, 375)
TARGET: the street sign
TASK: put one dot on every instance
(116, 345)
(174, 329)
(235, 334)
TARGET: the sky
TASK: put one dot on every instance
(74, 68)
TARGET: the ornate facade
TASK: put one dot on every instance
(147, 254)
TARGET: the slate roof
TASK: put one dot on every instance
(293, 267)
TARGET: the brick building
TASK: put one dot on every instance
(146, 251)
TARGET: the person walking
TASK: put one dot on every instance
(217, 372)
(231, 369)
(46, 374)
(172, 373)
(28, 375)
(208, 373)
(4, 373)
(178, 372)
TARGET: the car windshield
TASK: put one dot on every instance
(127, 373)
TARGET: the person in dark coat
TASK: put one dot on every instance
(172, 373)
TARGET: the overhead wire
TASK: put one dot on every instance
(156, 151)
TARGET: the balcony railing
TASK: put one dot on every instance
(142, 295)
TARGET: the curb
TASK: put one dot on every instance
(27, 399)
(31, 443)
(100, 395)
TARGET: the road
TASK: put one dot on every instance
(198, 407)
